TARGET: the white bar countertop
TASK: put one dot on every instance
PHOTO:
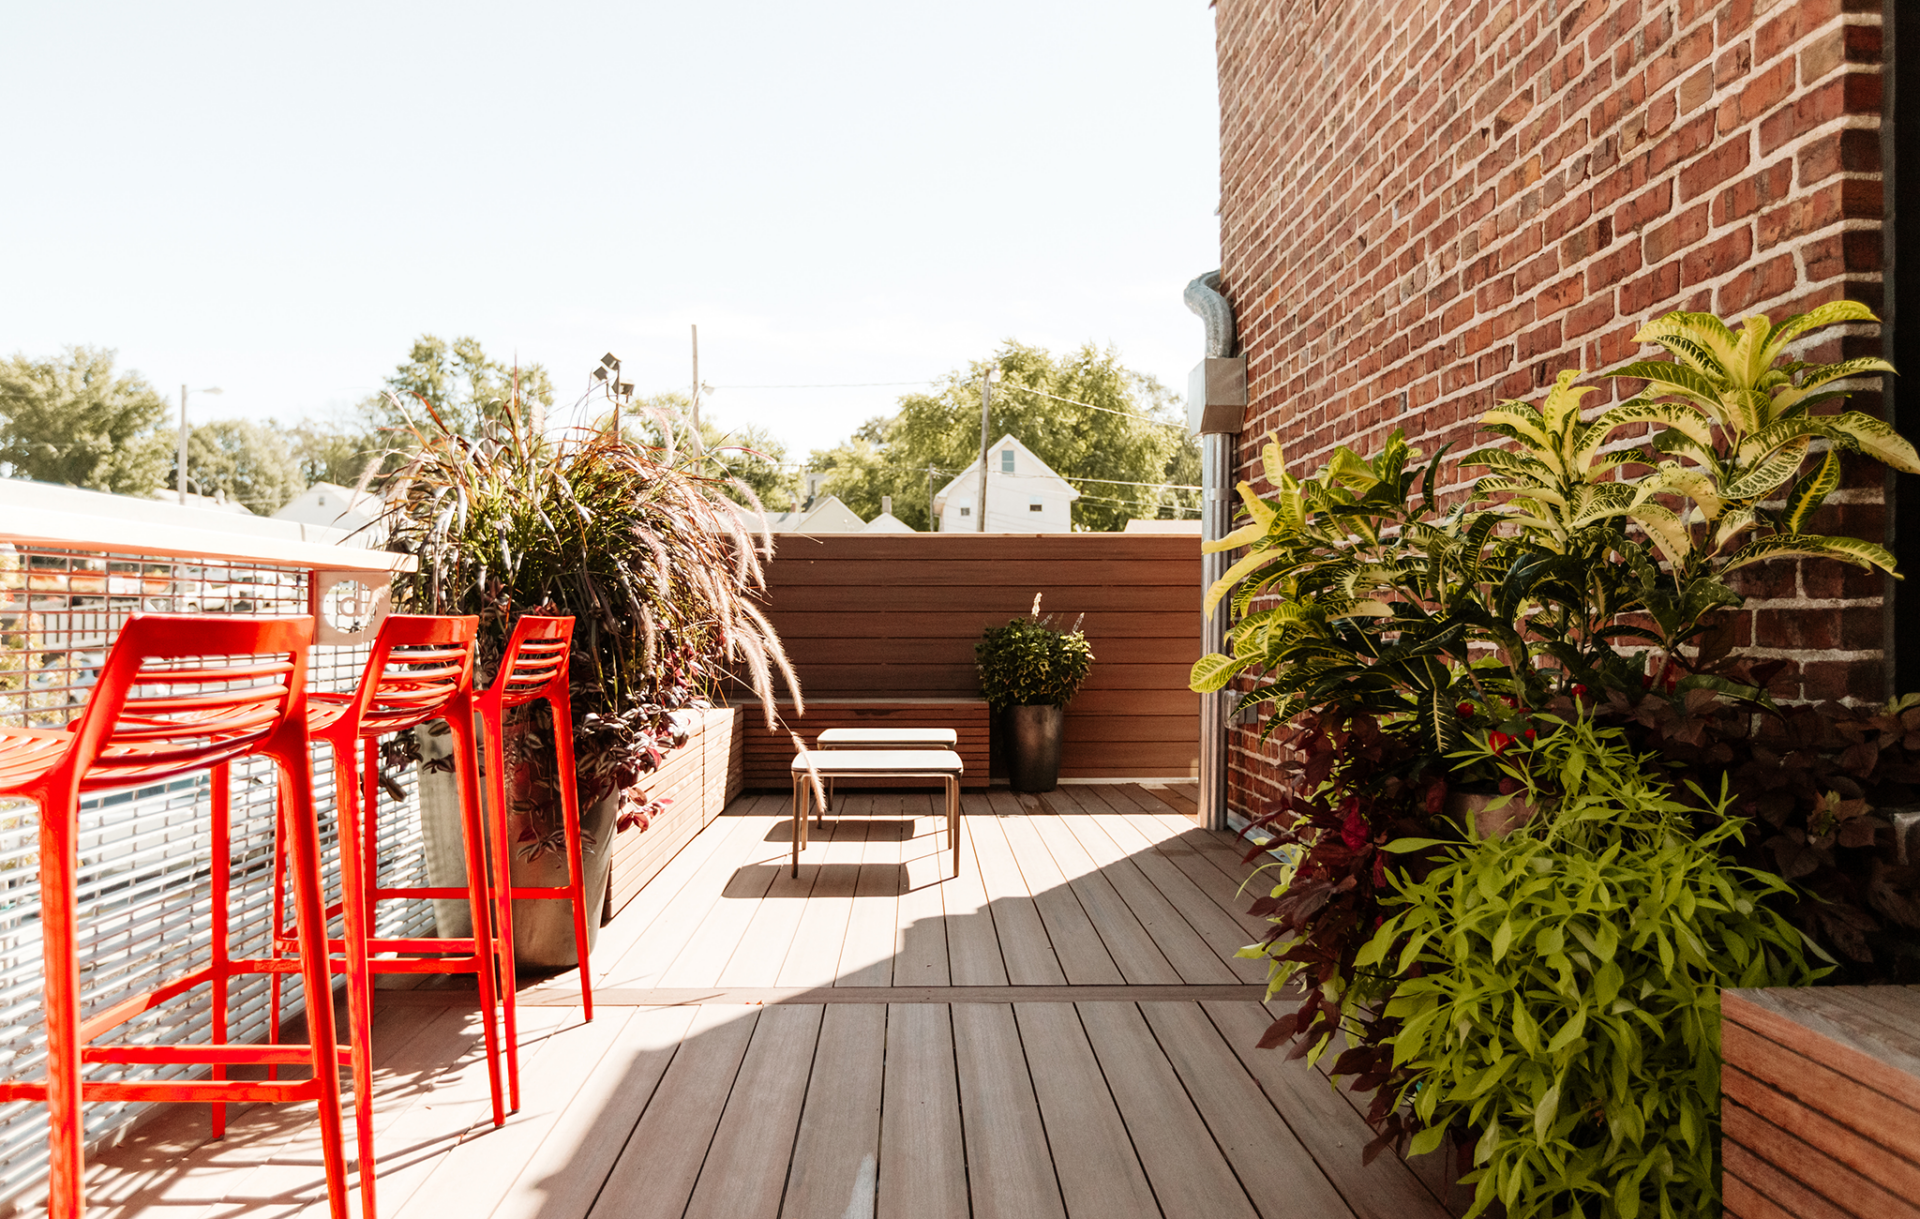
(42, 514)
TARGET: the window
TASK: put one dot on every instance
(1006, 461)
(1034, 504)
(966, 512)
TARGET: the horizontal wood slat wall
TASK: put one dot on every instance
(1820, 1104)
(894, 616)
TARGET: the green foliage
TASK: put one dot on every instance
(1559, 987)
(72, 420)
(647, 556)
(1385, 604)
(467, 390)
(243, 461)
(1132, 438)
(1030, 662)
(335, 451)
(751, 460)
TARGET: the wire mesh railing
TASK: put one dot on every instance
(145, 854)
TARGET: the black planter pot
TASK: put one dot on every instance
(1032, 738)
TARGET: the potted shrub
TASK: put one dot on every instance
(1409, 650)
(651, 560)
(1029, 670)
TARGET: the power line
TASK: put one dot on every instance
(826, 385)
(1090, 406)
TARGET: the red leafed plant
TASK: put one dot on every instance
(1350, 785)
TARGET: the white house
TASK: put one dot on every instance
(334, 506)
(1024, 495)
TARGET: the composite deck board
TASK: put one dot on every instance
(1184, 949)
(661, 1161)
(1083, 956)
(1184, 1165)
(1093, 1151)
(973, 943)
(1224, 930)
(746, 1168)
(813, 956)
(920, 951)
(710, 948)
(866, 956)
(1330, 1129)
(836, 1156)
(1127, 941)
(1272, 1165)
(874, 1038)
(1008, 1163)
(923, 1168)
(1025, 946)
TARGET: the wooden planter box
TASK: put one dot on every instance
(699, 778)
(1820, 1104)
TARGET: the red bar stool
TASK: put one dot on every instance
(178, 694)
(534, 667)
(421, 669)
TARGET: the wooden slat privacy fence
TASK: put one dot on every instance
(897, 615)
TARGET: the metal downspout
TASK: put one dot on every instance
(1216, 409)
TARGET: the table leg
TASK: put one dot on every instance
(953, 821)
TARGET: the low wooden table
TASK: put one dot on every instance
(830, 764)
(881, 738)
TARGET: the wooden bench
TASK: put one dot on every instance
(769, 751)
(889, 764)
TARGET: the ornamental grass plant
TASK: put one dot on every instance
(648, 555)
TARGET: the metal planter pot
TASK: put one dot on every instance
(1032, 736)
(542, 929)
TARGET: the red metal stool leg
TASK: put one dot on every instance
(301, 829)
(65, 1195)
(500, 888)
(353, 900)
(460, 719)
(219, 884)
(576, 854)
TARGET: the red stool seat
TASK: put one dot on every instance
(178, 695)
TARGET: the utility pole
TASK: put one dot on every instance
(698, 448)
(933, 522)
(986, 398)
(183, 438)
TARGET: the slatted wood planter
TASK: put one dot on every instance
(770, 751)
(1820, 1102)
(698, 779)
(895, 616)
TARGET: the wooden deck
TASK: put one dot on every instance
(1062, 1030)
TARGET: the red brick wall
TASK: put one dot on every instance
(1427, 206)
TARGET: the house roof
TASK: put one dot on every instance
(1026, 476)
(887, 522)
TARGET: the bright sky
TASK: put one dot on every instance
(276, 199)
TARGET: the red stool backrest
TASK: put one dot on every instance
(536, 656)
(180, 693)
(420, 664)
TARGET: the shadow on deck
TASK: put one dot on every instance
(1061, 1030)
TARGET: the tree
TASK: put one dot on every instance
(335, 450)
(243, 461)
(752, 454)
(1109, 431)
(71, 420)
(464, 386)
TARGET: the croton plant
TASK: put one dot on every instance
(1401, 640)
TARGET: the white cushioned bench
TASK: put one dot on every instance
(830, 764)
